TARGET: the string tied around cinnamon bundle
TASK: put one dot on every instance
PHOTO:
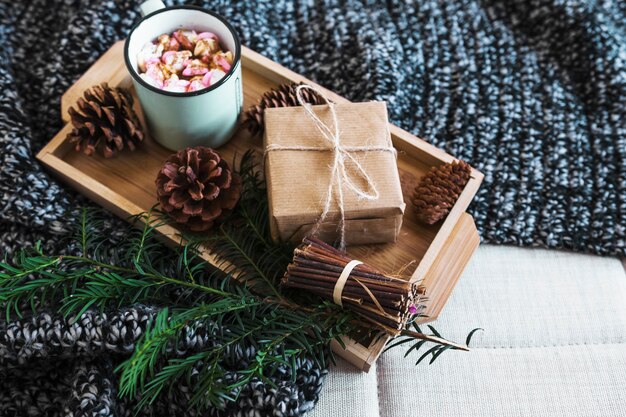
(387, 302)
(345, 167)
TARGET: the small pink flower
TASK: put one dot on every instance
(413, 309)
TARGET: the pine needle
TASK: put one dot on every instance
(192, 296)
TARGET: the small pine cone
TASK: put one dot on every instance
(282, 96)
(197, 188)
(104, 120)
(438, 190)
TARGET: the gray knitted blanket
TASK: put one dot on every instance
(532, 93)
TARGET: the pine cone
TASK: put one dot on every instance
(282, 96)
(105, 120)
(197, 188)
(438, 190)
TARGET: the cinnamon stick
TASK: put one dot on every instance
(385, 301)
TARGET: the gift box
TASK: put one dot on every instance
(314, 159)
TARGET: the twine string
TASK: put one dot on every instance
(342, 157)
(372, 296)
(341, 282)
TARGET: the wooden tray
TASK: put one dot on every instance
(125, 185)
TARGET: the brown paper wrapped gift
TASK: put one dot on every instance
(298, 179)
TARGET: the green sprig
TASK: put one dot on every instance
(191, 295)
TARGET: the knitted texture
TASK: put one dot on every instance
(530, 92)
(48, 346)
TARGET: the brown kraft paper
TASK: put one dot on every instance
(298, 180)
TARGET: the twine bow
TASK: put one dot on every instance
(339, 170)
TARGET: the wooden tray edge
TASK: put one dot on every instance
(457, 252)
(361, 356)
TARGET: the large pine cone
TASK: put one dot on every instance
(197, 188)
(282, 96)
(105, 120)
(438, 190)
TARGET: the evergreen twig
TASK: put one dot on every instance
(192, 296)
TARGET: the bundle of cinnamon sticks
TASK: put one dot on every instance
(386, 301)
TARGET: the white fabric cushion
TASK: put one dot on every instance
(348, 392)
(575, 380)
(554, 344)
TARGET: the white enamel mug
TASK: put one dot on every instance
(206, 117)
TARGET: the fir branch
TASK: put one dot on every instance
(83, 230)
(89, 281)
(244, 242)
(250, 311)
(78, 283)
(138, 374)
(418, 339)
(268, 328)
(237, 250)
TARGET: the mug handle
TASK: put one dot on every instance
(150, 6)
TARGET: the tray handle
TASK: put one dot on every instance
(440, 280)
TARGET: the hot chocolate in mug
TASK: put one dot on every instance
(206, 117)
